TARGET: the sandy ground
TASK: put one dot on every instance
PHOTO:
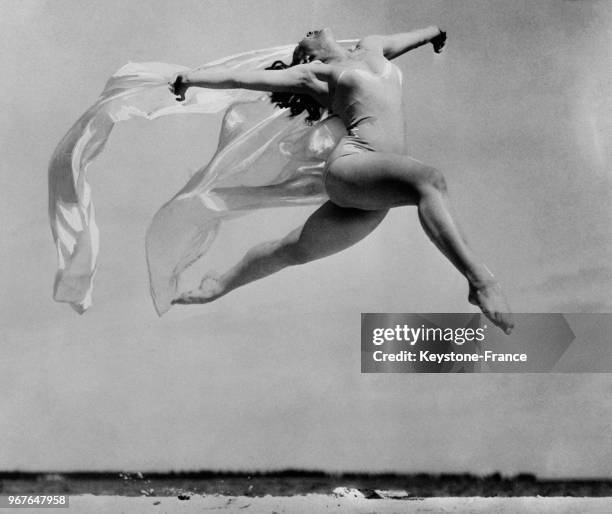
(313, 503)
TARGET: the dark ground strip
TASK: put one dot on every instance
(294, 482)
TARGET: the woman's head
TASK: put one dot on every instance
(317, 45)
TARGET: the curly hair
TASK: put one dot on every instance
(297, 103)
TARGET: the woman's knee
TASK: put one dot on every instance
(433, 177)
(295, 254)
(291, 250)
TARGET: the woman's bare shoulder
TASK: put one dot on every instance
(372, 43)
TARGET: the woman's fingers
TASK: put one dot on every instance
(439, 42)
(177, 88)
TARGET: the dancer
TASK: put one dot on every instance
(367, 173)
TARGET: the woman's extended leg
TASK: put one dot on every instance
(377, 180)
(273, 195)
(330, 229)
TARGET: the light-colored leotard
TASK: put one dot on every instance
(370, 105)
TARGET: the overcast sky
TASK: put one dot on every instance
(516, 112)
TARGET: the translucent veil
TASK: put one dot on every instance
(259, 145)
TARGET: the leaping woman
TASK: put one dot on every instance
(367, 173)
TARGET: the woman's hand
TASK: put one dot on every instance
(178, 87)
(439, 41)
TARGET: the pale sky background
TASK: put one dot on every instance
(516, 112)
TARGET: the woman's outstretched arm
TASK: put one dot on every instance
(395, 45)
(297, 79)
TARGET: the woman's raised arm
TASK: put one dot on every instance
(297, 79)
(395, 45)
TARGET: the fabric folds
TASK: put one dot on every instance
(259, 146)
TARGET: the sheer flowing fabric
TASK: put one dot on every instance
(259, 145)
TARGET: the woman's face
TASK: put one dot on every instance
(316, 41)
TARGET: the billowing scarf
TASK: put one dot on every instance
(259, 145)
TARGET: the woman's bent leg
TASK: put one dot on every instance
(380, 180)
(330, 229)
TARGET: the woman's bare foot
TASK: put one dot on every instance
(493, 304)
(210, 289)
(439, 41)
